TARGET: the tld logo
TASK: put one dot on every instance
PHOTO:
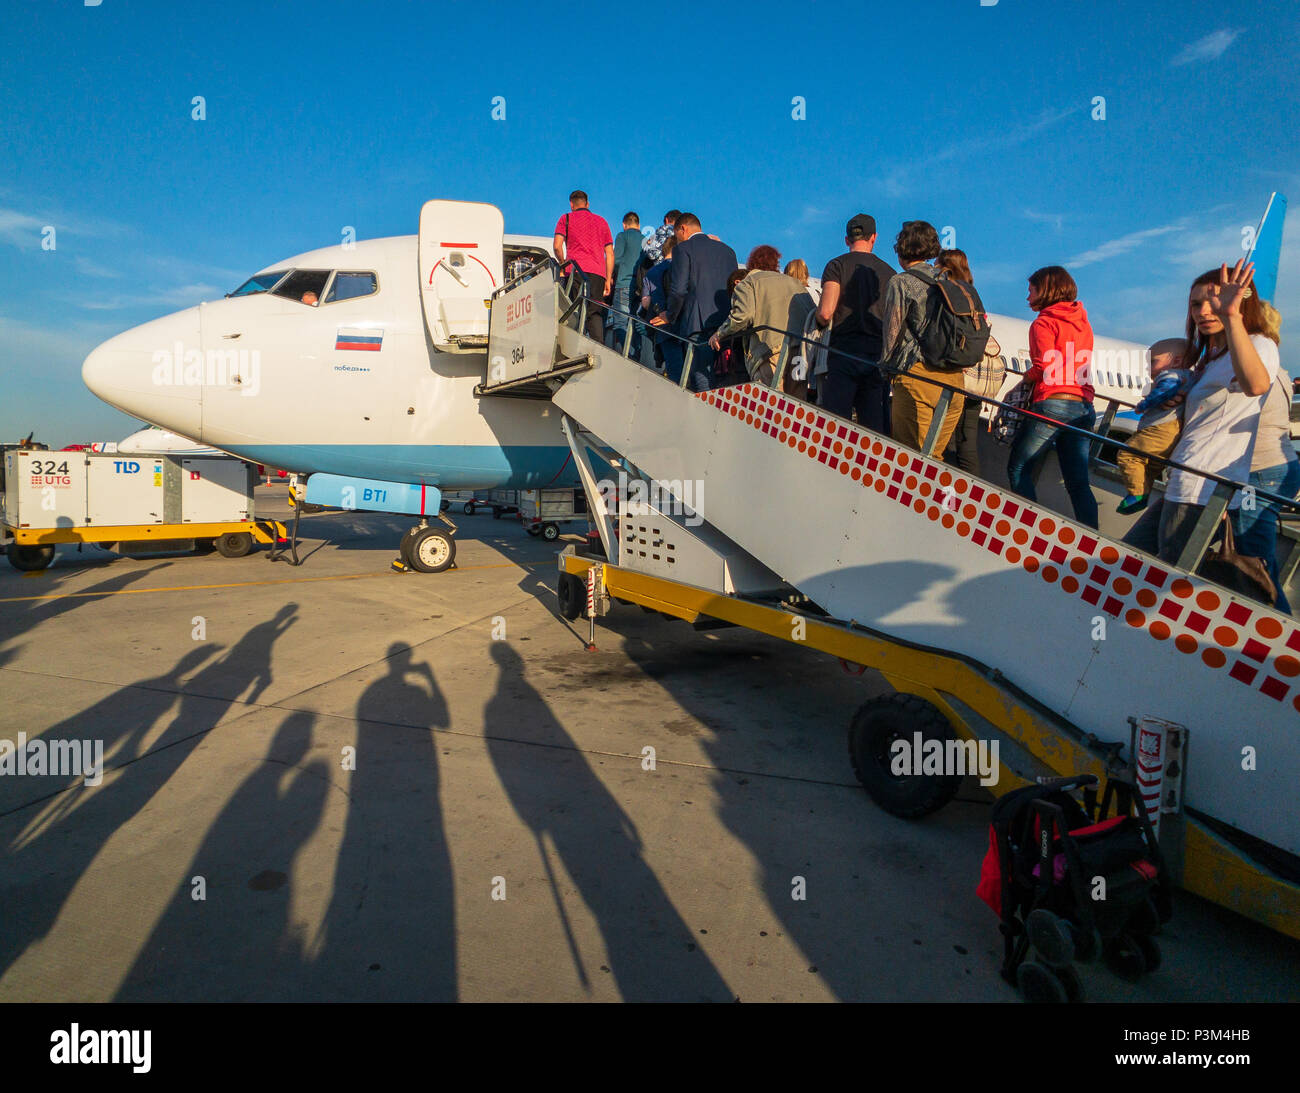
(122, 466)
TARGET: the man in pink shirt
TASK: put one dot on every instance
(584, 238)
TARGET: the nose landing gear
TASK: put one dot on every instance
(427, 549)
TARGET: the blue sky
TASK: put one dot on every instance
(330, 115)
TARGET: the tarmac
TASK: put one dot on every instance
(400, 786)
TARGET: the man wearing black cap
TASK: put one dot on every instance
(853, 296)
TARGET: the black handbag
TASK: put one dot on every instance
(1007, 421)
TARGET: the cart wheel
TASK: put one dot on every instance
(430, 550)
(1124, 956)
(872, 732)
(234, 544)
(572, 594)
(1038, 984)
(29, 558)
(550, 532)
(444, 505)
(1150, 951)
(469, 508)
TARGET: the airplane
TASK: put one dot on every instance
(354, 367)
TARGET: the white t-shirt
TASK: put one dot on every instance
(1219, 427)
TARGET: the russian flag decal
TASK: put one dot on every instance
(366, 341)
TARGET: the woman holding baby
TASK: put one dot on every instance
(1233, 355)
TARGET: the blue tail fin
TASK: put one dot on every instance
(1267, 251)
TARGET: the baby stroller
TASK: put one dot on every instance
(1074, 882)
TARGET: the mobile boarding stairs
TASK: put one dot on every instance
(993, 617)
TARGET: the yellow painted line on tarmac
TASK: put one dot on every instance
(253, 584)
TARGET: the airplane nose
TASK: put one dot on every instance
(153, 372)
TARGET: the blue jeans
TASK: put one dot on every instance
(701, 378)
(1030, 447)
(616, 318)
(1256, 529)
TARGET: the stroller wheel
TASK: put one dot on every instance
(1087, 945)
(1051, 937)
(1150, 951)
(1145, 919)
(1124, 956)
(1070, 981)
(1038, 984)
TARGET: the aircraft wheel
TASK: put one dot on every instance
(572, 594)
(550, 532)
(873, 731)
(234, 544)
(430, 550)
(29, 558)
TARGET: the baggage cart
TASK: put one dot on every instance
(136, 504)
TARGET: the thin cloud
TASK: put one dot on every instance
(1014, 136)
(21, 229)
(1209, 48)
(1057, 220)
(91, 269)
(167, 300)
(1125, 243)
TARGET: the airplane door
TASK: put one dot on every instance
(460, 268)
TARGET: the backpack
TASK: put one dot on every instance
(956, 330)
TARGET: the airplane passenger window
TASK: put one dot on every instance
(349, 286)
(259, 282)
(302, 281)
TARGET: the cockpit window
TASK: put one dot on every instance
(348, 286)
(259, 282)
(304, 285)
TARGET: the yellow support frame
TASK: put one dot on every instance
(135, 532)
(1212, 867)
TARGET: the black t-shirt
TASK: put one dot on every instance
(856, 325)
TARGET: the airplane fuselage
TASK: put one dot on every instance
(356, 387)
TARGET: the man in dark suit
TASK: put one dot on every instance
(697, 301)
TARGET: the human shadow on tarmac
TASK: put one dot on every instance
(652, 953)
(238, 942)
(844, 848)
(40, 870)
(390, 930)
(22, 613)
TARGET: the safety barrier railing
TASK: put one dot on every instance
(1206, 525)
(1203, 532)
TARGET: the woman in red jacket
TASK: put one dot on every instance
(1060, 347)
